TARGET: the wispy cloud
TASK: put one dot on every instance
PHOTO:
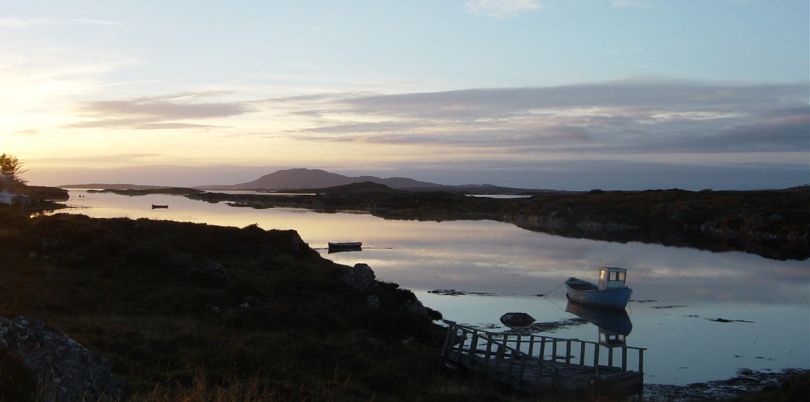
(159, 112)
(501, 8)
(620, 116)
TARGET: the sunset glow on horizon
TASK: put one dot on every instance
(542, 94)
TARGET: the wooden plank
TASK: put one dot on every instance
(581, 353)
(567, 371)
(488, 353)
(498, 356)
(641, 361)
(624, 358)
(463, 338)
(449, 339)
(521, 371)
(554, 350)
(473, 349)
(542, 350)
(511, 368)
(568, 351)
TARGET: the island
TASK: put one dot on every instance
(771, 223)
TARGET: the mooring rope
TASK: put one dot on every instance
(550, 291)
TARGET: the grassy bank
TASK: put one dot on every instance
(183, 310)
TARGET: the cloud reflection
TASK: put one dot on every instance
(497, 257)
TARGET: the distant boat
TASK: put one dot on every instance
(610, 293)
(155, 206)
(347, 246)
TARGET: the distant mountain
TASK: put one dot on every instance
(297, 179)
(313, 179)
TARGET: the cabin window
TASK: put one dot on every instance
(620, 276)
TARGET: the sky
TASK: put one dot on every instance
(564, 94)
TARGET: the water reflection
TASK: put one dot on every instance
(614, 325)
(608, 320)
(676, 290)
(491, 256)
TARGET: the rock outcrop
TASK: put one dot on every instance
(202, 271)
(360, 277)
(62, 369)
(517, 320)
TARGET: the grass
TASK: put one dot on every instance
(279, 325)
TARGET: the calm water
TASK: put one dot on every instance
(676, 290)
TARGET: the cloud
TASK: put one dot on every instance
(501, 8)
(620, 116)
(159, 112)
(94, 159)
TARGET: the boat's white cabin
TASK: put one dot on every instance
(612, 277)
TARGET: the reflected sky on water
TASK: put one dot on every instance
(516, 264)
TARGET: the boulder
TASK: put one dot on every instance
(61, 368)
(360, 277)
(201, 270)
(373, 302)
(517, 320)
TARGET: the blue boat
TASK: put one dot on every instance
(610, 293)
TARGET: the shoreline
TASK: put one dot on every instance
(54, 248)
(771, 223)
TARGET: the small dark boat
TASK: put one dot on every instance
(347, 246)
(155, 206)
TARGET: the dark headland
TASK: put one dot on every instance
(178, 310)
(770, 223)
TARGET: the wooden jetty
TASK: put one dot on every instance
(538, 364)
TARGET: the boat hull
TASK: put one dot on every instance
(607, 298)
(340, 247)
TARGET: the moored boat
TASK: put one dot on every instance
(611, 292)
(156, 206)
(346, 246)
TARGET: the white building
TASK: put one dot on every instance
(9, 198)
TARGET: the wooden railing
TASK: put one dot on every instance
(507, 355)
